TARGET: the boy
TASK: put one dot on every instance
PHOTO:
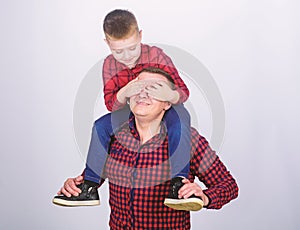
(129, 57)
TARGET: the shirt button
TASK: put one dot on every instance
(134, 173)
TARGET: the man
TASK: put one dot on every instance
(138, 169)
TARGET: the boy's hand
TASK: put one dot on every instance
(70, 189)
(132, 88)
(161, 91)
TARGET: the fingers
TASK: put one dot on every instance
(65, 192)
(133, 91)
(79, 180)
(157, 93)
(161, 84)
(149, 85)
(70, 188)
(188, 189)
(134, 80)
(154, 89)
(155, 85)
(158, 87)
(158, 90)
(130, 91)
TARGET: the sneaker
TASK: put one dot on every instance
(193, 203)
(88, 197)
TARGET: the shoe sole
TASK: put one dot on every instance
(190, 204)
(75, 203)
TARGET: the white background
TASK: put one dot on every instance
(251, 49)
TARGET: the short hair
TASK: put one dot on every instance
(119, 24)
(161, 72)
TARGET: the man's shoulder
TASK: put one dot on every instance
(123, 128)
(197, 138)
(127, 127)
(194, 133)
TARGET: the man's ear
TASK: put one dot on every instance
(167, 106)
(140, 34)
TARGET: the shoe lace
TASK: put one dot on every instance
(90, 189)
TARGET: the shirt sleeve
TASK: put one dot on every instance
(166, 64)
(207, 166)
(113, 81)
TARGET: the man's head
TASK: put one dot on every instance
(123, 36)
(142, 105)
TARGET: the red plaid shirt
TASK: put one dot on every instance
(139, 180)
(116, 75)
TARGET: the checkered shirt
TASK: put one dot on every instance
(116, 75)
(139, 174)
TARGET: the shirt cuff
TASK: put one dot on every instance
(182, 96)
(117, 105)
(212, 197)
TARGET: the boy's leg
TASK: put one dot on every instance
(178, 125)
(97, 152)
(100, 141)
(103, 129)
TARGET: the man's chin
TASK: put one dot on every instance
(140, 110)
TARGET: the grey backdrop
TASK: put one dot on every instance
(251, 48)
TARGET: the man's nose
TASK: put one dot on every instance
(143, 94)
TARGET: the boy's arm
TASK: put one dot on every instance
(165, 62)
(113, 81)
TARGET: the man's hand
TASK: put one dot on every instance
(132, 88)
(161, 91)
(70, 189)
(189, 189)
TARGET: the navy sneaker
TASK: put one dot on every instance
(193, 203)
(88, 197)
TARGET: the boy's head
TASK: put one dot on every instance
(123, 36)
(119, 24)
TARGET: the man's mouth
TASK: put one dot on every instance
(142, 102)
